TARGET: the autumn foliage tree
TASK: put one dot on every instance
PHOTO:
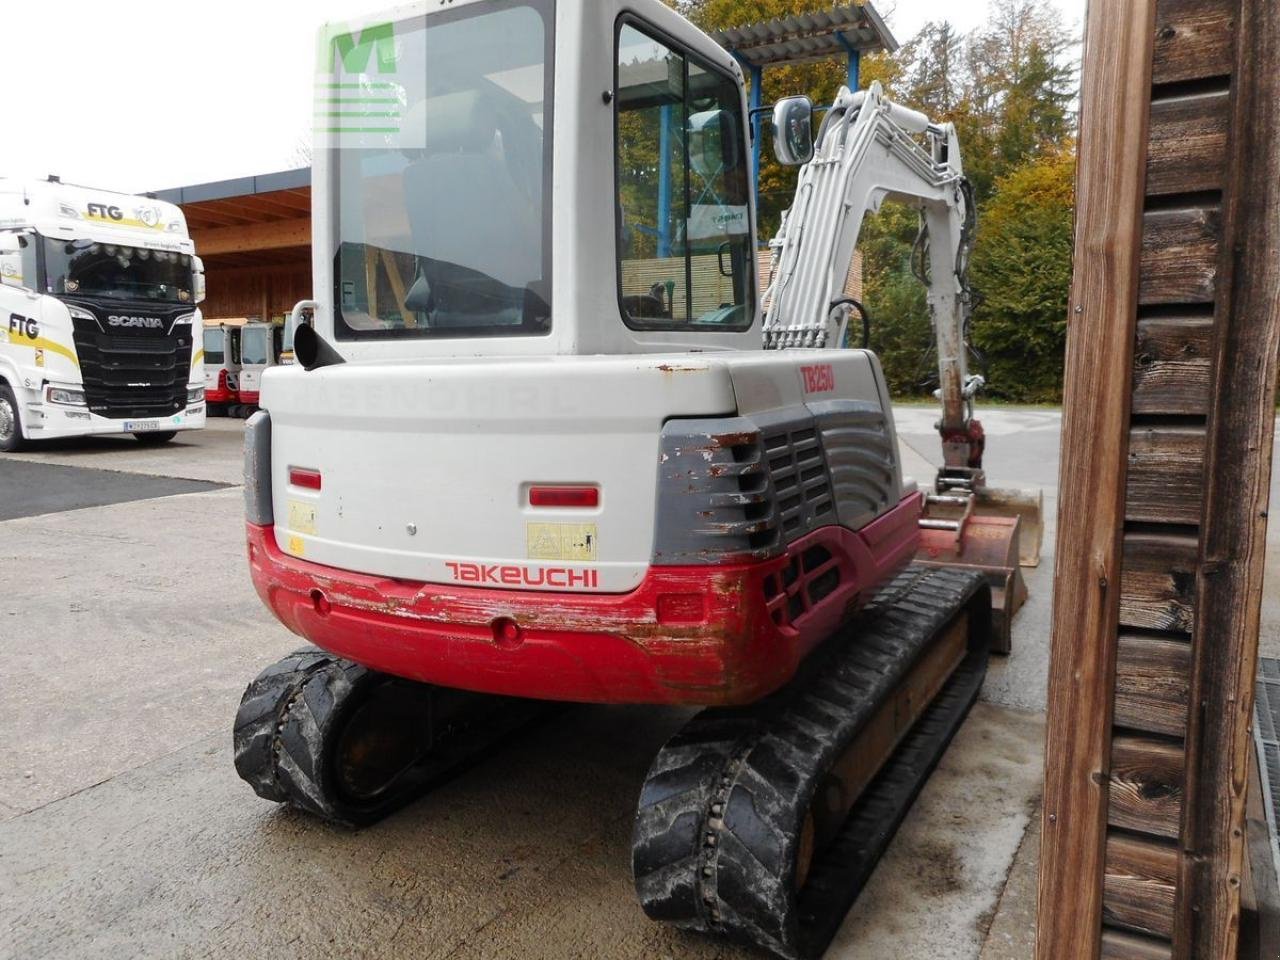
(1009, 87)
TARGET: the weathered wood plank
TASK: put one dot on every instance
(1146, 786)
(1260, 939)
(1171, 367)
(1118, 945)
(1114, 108)
(1140, 885)
(1157, 581)
(1180, 255)
(1188, 148)
(1153, 681)
(1193, 40)
(1241, 437)
(1166, 475)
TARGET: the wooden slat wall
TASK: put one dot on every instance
(1156, 596)
(265, 291)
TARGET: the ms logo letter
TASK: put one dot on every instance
(354, 54)
(350, 102)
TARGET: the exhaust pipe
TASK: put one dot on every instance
(312, 351)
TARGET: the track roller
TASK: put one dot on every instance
(351, 745)
(761, 824)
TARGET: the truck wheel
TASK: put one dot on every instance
(11, 438)
(155, 439)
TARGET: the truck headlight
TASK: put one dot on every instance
(195, 394)
(70, 396)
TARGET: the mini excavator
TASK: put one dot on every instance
(548, 440)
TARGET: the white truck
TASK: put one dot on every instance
(99, 324)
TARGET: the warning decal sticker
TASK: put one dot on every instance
(561, 541)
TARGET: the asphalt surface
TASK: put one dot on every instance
(128, 633)
(32, 489)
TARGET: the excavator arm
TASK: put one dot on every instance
(870, 150)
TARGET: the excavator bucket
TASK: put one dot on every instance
(954, 533)
(1025, 505)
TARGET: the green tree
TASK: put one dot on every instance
(1022, 270)
(1009, 88)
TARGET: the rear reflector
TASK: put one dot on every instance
(301, 477)
(564, 496)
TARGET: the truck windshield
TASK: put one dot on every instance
(442, 225)
(214, 356)
(90, 269)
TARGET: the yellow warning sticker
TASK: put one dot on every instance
(296, 546)
(561, 541)
(302, 517)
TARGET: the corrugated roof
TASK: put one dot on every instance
(809, 37)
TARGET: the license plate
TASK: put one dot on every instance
(140, 426)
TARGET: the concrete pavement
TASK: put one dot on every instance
(125, 832)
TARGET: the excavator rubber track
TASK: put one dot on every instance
(351, 745)
(726, 839)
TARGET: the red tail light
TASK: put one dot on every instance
(564, 496)
(301, 477)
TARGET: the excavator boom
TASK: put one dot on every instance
(869, 150)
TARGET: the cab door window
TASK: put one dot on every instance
(18, 260)
(684, 228)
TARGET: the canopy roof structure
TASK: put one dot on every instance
(842, 31)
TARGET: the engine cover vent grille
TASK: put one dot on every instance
(858, 443)
(801, 485)
(714, 496)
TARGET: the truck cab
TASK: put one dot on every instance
(99, 297)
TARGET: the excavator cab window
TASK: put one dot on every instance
(442, 229)
(684, 224)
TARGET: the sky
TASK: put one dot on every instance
(150, 94)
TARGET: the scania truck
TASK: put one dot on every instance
(100, 331)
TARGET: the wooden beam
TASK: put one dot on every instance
(1241, 432)
(253, 236)
(1117, 945)
(1141, 885)
(1100, 341)
(1180, 255)
(202, 218)
(1264, 885)
(1193, 40)
(1166, 470)
(1157, 584)
(1153, 681)
(1171, 366)
(1146, 786)
(1188, 152)
(259, 207)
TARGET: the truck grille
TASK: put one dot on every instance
(127, 376)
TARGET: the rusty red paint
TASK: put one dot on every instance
(589, 647)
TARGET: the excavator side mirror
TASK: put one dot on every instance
(793, 131)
